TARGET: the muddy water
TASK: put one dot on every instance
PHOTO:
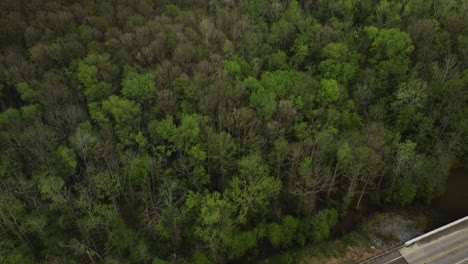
(454, 202)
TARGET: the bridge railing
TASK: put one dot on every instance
(412, 241)
(416, 239)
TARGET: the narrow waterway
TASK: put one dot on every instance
(454, 202)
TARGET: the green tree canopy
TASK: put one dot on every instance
(139, 87)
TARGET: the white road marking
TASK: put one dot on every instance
(461, 261)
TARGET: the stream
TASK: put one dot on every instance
(454, 202)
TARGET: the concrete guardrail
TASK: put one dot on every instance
(410, 242)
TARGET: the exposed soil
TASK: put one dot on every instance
(354, 254)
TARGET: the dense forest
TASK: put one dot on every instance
(191, 131)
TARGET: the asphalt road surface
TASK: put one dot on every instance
(451, 248)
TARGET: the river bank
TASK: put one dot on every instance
(364, 234)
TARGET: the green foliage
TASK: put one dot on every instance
(237, 68)
(300, 53)
(200, 258)
(213, 224)
(208, 131)
(391, 43)
(414, 125)
(241, 242)
(232, 68)
(51, 188)
(388, 12)
(140, 87)
(274, 234)
(274, 86)
(341, 63)
(159, 261)
(9, 117)
(185, 139)
(106, 185)
(141, 140)
(26, 92)
(329, 92)
(284, 83)
(281, 33)
(392, 49)
(253, 189)
(265, 100)
(172, 11)
(88, 73)
(212, 210)
(407, 190)
(30, 111)
(15, 252)
(139, 168)
(228, 48)
(183, 136)
(322, 224)
(122, 114)
(278, 61)
(407, 166)
(67, 157)
(434, 174)
(120, 238)
(282, 235)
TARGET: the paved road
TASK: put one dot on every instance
(449, 248)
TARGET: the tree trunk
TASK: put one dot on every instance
(360, 197)
(309, 204)
(332, 183)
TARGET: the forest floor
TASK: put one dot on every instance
(353, 255)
